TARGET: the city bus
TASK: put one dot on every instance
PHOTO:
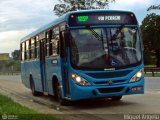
(86, 54)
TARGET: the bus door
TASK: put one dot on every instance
(63, 50)
(42, 64)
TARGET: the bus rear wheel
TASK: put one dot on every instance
(32, 86)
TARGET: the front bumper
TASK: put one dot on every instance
(90, 92)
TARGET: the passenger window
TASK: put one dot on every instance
(32, 48)
(48, 41)
(55, 41)
(37, 47)
(23, 51)
(27, 49)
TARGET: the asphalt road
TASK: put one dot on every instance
(10, 77)
(128, 107)
(151, 83)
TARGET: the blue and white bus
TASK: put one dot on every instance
(85, 55)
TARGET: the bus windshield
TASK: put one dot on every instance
(102, 48)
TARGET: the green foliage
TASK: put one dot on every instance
(151, 65)
(151, 29)
(149, 58)
(16, 54)
(154, 7)
(150, 32)
(10, 108)
(72, 5)
(11, 65)
(151, 75)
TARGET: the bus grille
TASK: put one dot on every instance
(109, 90)
(109, 74)
(106, 82)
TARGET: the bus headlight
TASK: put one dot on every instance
(137, 76)
(79, 80)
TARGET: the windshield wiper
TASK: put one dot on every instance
(96, 35)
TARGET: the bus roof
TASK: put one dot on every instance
(65, 18)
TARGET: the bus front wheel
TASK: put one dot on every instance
(58, 96)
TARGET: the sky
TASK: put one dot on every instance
(21, 17)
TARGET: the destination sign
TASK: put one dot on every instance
(102, 18)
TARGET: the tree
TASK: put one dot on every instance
(73, 5)
(16, 54)
(150, 31)
(154, 7)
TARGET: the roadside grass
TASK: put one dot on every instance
(150, 75)
(16, 111)
(150, 65)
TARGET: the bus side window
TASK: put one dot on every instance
(48, 43)
(27, 49)
(32, 50)
(23, 51)
(55, 41)
(29, 57)
(37, 47)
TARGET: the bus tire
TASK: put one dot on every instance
(32, 86)
(116, 98)
(58, 96)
